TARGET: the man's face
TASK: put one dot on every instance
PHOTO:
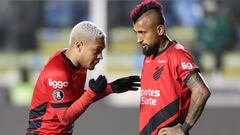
(147, 35)
(92, 53)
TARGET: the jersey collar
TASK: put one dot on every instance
(169, 44)
(76, 68)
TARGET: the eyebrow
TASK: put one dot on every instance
(139, 30)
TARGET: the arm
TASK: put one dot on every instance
(199, 96)
(96, 91)
(69, 113)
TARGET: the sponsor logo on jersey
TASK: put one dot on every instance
(58, 95)
(186, 65)
(57, 84)
(157, 73)
(149, 97)
(147, 61)
(161, 61)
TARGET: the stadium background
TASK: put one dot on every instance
(30, 31)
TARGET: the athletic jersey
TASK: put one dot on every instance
(165, 97)
(59, 85)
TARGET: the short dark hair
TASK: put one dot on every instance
(144, 6)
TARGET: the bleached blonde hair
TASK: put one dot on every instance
(87, 31)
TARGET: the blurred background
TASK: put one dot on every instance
(31, 31)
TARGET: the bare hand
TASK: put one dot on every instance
(175, 130)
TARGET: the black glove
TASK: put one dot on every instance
(99, 85)
(126, 83)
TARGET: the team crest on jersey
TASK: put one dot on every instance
(58, 95)
(157, 73)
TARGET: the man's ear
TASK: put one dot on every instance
(79, 45)
(160, 30)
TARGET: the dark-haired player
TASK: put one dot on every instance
(59, 97)
(173, 92)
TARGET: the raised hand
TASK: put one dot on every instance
(126, 83)
(99, 85)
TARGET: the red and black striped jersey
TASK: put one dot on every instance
(59, 85)
(165, 97)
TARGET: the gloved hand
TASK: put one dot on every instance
(126, 83)
(99, 85)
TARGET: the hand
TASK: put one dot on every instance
(175, 130)
(99, 85)
(126, 83)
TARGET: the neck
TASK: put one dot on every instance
(163, 43)
(71, 56)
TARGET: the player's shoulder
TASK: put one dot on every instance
(56, 66)
(176, 49)
(56, 60)
(56, 57)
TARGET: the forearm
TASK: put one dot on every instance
(197, 103)
(199, 96)
(70, 114)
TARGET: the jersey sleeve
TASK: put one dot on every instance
(185, 65)
(58, 86)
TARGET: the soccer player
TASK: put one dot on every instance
(173, 92)
(59, 97)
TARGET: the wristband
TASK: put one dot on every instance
(186, 127)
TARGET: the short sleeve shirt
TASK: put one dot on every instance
(165, 96)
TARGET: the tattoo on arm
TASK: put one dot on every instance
(200, 94)
(195, 80)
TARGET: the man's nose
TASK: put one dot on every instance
(100, 56)
(139, 39)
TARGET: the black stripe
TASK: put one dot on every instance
(34, 125)
(173, 123)
(189, 76)
(60, 105)
(38, 111)
(160, 117)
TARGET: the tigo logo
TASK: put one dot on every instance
(186, 65)
(57, 84)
